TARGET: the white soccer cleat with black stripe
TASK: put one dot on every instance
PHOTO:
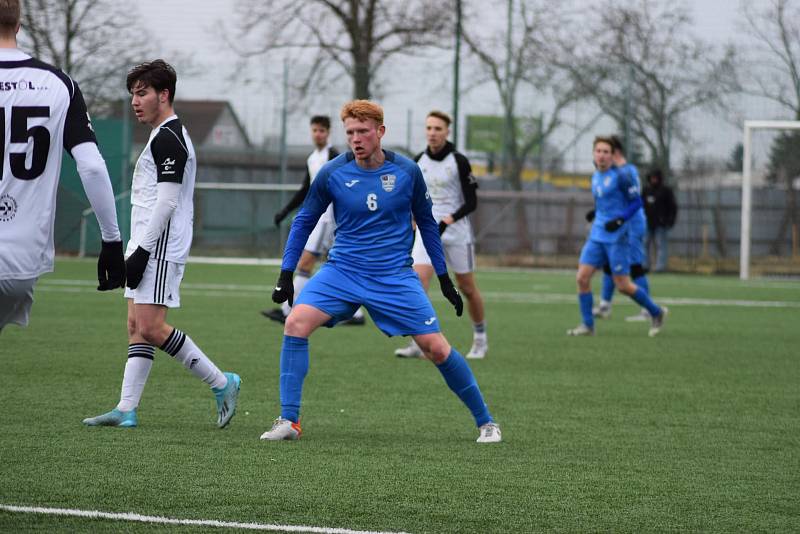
(412, 350)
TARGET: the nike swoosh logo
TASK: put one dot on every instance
(430, 321)
(277, 288)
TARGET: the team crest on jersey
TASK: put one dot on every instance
(387, 182)
(606, 181)
(8, 207)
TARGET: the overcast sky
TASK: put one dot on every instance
(192, 28)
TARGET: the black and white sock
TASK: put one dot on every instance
(137, 369)
(182, 348)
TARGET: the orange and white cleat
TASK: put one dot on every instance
(282, 429)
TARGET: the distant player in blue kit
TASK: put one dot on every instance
(617, 198)
(637, 231)
(375, 195)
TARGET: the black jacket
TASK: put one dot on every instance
(659, 206)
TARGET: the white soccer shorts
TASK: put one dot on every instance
(460, 257)
(321, 239)
(161, 284)
(16, 299)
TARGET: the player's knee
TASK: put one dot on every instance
(151, 331)
(296, 326)
(468, 289)
(625, 286)
(436, 349)
(583, 279)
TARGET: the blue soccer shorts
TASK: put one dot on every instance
(396, 302)
(616, 255)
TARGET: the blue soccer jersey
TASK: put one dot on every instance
(613, 190)
(373, 210)
(638, 223)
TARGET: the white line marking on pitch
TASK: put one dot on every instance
(94, 514)
(249, 291)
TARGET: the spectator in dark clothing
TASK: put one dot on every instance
(661, 210)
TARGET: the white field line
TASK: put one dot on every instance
(94, 514)
(260, 291)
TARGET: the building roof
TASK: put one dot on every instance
(199, 116)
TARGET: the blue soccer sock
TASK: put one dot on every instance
(294, 367)
(586, 302)
(459, 378)
(608, 288)
(643, 283)
(643, 300)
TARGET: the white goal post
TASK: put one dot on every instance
(747, 186)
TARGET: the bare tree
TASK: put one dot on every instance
(522, 60)
(354, 37)
(775, 58)
(93, 41)
(775, 75)
(645, 68)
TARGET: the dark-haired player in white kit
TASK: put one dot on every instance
(453, 190)
(42, 112)
(161, 234)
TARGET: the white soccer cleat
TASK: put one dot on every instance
(580, 330)
(410, 351)
(478, 350)
(657, 322)
(602, 312)
(490, 433)
(282, 429)
(640, 317)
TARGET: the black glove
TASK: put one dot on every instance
(442, 227)
(451, 293)
(135, 265)
(590, 216)
(614, 224)
(284, 289)
(281, 215)
(111, 266)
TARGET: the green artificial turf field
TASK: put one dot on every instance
(695, 430)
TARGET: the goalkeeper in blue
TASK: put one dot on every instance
(375, 195)
(617, 199)
(637, 232)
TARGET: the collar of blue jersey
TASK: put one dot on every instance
(443, 153)
(387, 153)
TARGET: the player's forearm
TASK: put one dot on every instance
(166, 203)
(97, 185)
(298, 236)
(632, 208)
(470, 204)
(429, 231)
